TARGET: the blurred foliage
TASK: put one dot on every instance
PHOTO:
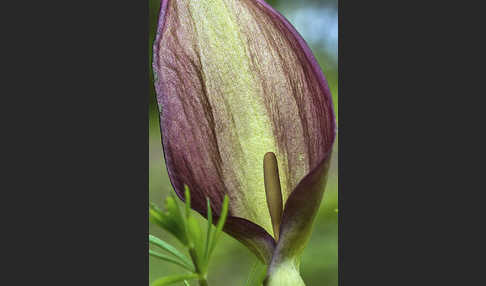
(232, 262)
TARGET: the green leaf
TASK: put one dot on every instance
(187, 214)
(221, 222)
(257, 274)
(173, 208)
(173, 279)
(160, 218)
(186, 283)
(170, 259)
(155, 215)
(193, 230)
(187, 195)
(208, 231)
(195, 234)
(171, 220)
(169, 248)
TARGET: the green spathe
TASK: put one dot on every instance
(223, 52)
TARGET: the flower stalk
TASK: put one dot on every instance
(286, 274)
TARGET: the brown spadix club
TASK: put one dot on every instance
(273, 191)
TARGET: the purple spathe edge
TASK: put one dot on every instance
(155, 60)
(159, 32)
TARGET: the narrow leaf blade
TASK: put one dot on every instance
(170, 259)
(188, 201)
(221, 222)
(169, 248)
(209, 230)
(173, 211)
(195, 234)
(173, 279)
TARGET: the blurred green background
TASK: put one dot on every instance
(317, 22)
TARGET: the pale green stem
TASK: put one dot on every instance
(284, 274)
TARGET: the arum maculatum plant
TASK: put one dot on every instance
(245, 111)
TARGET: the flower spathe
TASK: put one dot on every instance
(234, 81)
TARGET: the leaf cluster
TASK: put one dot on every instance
(184, 226)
